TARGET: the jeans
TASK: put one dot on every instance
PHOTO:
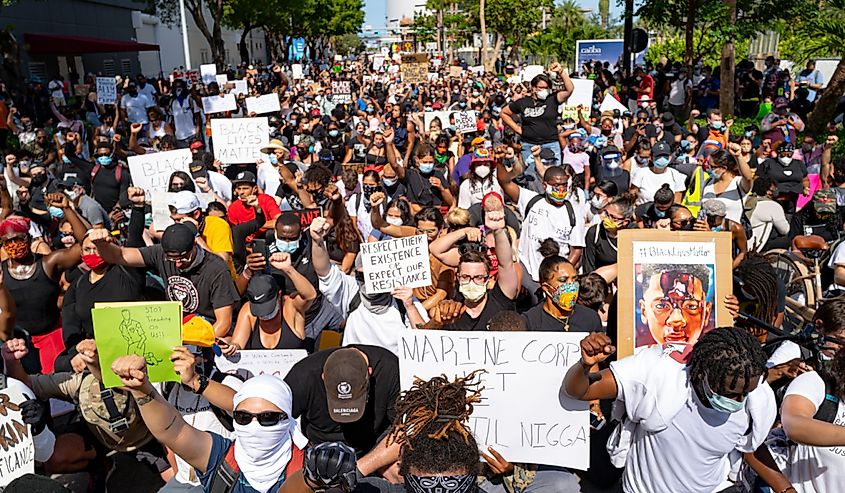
(549, 479)
(528, 158)
(174, 486)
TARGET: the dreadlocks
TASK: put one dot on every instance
(726, 354)
(431, 425)
(761, 285)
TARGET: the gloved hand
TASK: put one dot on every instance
(330, 465)
(34, 413)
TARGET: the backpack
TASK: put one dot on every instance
(569, 209)
(228, 472)
(830, 405)
(97, 167)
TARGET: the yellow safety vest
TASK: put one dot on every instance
(692, 199)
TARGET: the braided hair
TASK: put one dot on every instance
(431, 425)
(725, 355)
(761, 284)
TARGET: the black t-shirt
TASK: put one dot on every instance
(600, 250)
(419, 189)
(107, 189)
(301, 260)
(496, 302)
(337, 146)
(309, 400)
(649, 215)
(205, 287)
(359, 149)
(539, 119)
(650, 131)
(582, 319)
(789, 178)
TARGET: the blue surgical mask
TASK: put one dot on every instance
(659, 213)
(273, 159)
(661, 162)
(56, 212)
(721, 403)
(334, 133)
(716, 175)
(65, 160)
(104, 160)
(426, 168)
(287, 246)
(389, 182)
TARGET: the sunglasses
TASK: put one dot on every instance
(266, 418)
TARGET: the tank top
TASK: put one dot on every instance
(287, 340)
(36, 299)
(157, 132)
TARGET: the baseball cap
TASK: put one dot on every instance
(244, 177)
(477, 141)
(714, 207)
(326, 155)
(197, 145)
(347, 381)
(668, 118)
(610, 152)
(178, 238)
(198, 169)
(786, 147)
(824, 201)
(661, 148)
(69, 182)
(185, 201)
(547, 155)
(262, 293)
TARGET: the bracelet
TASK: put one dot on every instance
(144, 399)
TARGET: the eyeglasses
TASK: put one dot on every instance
(179, 257)
(477, 279)
(426, 231)
(266, 418)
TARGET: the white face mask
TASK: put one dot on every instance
(266, 449)
(482, 171)
(394, 221)
(785, 160)
(72, 195)
(597, 202)
(542, 94)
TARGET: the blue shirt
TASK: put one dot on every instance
(219, 447)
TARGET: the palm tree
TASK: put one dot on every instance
(604, 13)
(823, 34)
(568, 15)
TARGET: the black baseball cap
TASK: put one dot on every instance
(178, 238)
(262, 293)
(198, 169)
(661, 148)
(347, 380)
(244, 177)
(69, 182)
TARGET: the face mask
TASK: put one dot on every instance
(263, 445)
(717, 229)
(610, 225)
(39, 179)
(554, 195)
(272, 315)
(194, 263)
(428, 109)
(597, 202)
(394, 221)
(93, 261)
(642, 161)
(72, 195)
(65, 160)
(661, 162)
(785, 160)
(566, 295)
(542, 94)
(370, 189)
(17, 248)
(56, 212)
(475, 94)
(273, 159)
(104, 160)
(611, 163)
(389, 182)
(370, 109)
(287, 246)
(721, 403)
(426, 168)
(659, 213)
(333, 133)
(807, 148)
(464, 483)
(473, 292)
(482, 171)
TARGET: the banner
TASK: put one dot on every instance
(239, 140)
(17, 451)
(414, 68)
(307, 216)
(297, 48)
(106, 90)
(582, 95)
(601, 50)
(152, 171)
(523, 414)
(249, 363)
(395, 263)
(219, 104)
(208, 73)
(465, 122)
(148, 329)
(268, 103)
(342, 91)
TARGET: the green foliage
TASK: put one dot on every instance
(818, 32)
(348, 44)
(706, 47)
(567, 25)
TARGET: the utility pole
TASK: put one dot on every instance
(185, 46)
(628, 30)
(441, 36)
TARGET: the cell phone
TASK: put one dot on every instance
(597, 422)
(259, 245)
(702, 216)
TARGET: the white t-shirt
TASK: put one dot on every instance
(356, 207)
(838, 258)
(184, 126)
(578, 160)
(816, 469)
(221, 185)
(678, 91)
(732, 197)
(268, 177)
(148, 90)
(767, 215)
(469, 195)
(649, 182)
(136, 108)
(546, 221)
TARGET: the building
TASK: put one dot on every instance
(397, 10)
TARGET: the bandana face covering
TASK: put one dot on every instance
(16, 248)
(464, 483)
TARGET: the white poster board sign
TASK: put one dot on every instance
(239, 140)
(296, 71)
(378, 62)
(394, 263)
(268, 103)
(342, 91)
(610, 103)
(221, 80)
(17, 456)
(208, 73)
(106, 90)
(523, 414)
(582, 95)
(152, 171)
(465, 122)
(159, 200)
(478, 69)
(443, 116)
(250, 363)
(219, 104)
(531, 71)
(241, 87)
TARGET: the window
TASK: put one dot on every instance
(108, 67)
(38, 71)
(126, 67)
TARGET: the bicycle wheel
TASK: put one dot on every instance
(794, 275)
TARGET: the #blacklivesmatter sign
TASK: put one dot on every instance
(395, 263)
(17, 451)
(523, 414)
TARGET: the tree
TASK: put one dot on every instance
(348, 44)
(515, 20)
(167, 11)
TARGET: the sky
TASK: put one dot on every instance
(375, 10)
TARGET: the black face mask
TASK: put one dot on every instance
(39, 179)
(463, 483)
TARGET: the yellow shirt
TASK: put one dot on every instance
(218, 236)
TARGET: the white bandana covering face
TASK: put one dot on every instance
(263, 452)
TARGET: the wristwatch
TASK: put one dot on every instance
(202, 386)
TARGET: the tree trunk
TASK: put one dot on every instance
(214, 37)
(242, 47)
(483, 22)
(826, 105)
(689, 30)
(727, 72)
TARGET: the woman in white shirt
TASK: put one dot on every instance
(730, 180)
(480, 181)
(649, 180)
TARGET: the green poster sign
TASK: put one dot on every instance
(148, 329)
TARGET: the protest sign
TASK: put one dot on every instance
(296, 71)
(582, 95)
(477, 70)
(148, 329)
(239, 140)
(106, 90)
(465, 122)
(307, 216)
(251, 363)
(430, 116)
(219, 104)
(241, 87)
(268, 103)
(522, 413)
(610, 104)
(17, 455)
(208, 73)
(455, 71)
(414, 68)
(378, 62)
(342, 91)
(159, 200)
(81, 90)
(221, 80)
(395, 263)
(658, 267)
(152, 171)
(531, 71)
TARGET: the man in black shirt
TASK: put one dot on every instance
(109, 178)
(560, 311)
(346, 395)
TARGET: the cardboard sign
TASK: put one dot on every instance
(239, 140)
(81, 90)
(148, 329)
(208, 73)
(414, 68)
(152, 171)
(106, 90)
(17, 455)
(455, 71)
(241, 87)
(465, 122)
(660, 271)
(219, 104)
(342, 91)
(522, 414)
(307, 216)
(395, 263)
(251, 363)
(582, 95)
(296, 71)
(268, 103)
